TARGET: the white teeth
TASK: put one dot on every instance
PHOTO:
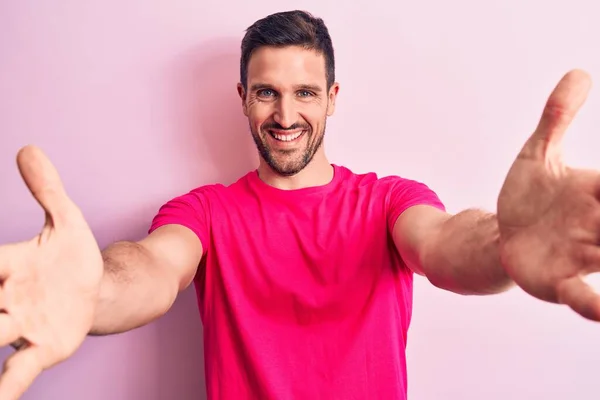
(287, 138)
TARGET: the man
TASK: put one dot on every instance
(303, 269)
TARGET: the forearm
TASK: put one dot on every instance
(134, 290)
(464, 256)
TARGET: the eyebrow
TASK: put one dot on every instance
(312, 88)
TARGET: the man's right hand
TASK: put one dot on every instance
(49, 284)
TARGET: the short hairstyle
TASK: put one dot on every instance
(288, 28)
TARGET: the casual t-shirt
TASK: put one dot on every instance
(302, 293)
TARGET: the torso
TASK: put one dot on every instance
(302, 293)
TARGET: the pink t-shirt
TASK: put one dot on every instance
(302, 293)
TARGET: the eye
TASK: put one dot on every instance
(305, 93)
(265, 93)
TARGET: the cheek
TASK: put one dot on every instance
(258, 114)
(315, 119)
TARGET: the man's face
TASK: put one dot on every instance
(287, 104)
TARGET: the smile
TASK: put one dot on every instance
(286, 137)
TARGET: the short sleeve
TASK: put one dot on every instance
(189, 210)
(405, 193)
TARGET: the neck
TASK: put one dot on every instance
(318, 172)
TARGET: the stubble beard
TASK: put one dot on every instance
(288, 163)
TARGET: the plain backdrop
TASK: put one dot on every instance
(135, 102)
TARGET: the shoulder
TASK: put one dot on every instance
(397, 193)
(211, 191)
(194, 208)
(378, 181)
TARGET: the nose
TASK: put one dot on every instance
(285, 112)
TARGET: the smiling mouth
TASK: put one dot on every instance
(286, 137)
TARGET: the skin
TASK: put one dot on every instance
(59, 287)
(288, 94)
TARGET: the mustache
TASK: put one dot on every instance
(276, 126)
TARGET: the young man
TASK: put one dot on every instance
(303, 269)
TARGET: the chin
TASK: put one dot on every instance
(285, 168)
(284, 171)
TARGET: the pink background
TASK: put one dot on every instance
(136, 102)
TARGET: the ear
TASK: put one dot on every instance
(242, 94)
(333, 92)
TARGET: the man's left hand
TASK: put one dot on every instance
(549, 213)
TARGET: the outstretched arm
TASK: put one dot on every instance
(142, 279)
(58, 287)
(455, 252)
(545, 235)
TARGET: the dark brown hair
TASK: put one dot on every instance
(288, 28)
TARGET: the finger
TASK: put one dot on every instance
(20, 370)
(9, 330)
(561, 107)
(10, 256)
(43, 181)
(588, 256)
(581, 297)
(6, 261)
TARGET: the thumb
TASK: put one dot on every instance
(561, 107)
(44, 183)
(581, 297)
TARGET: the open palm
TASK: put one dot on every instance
(549, 214)
(49, 283)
